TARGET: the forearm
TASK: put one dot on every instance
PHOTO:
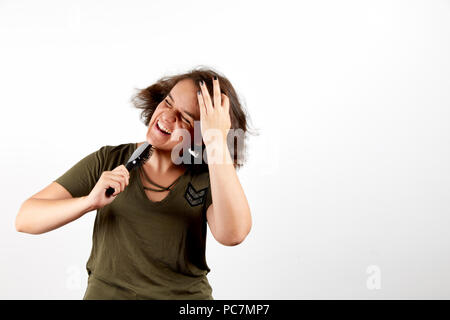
(230, 206)
(38, 216)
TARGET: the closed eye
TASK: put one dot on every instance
(184, 119)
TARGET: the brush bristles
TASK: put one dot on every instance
(146, 154)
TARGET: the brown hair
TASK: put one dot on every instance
(148, 99)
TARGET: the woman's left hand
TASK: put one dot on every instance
(214, 114)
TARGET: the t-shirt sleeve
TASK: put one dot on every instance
(82, 177)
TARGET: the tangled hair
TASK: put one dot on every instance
(148, 99)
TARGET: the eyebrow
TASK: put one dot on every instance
(187, 112)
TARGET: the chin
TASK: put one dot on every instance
(159, 146)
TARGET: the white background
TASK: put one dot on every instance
(350, 170)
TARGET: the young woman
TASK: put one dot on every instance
(149, 237)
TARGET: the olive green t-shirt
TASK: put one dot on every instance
(147, 249)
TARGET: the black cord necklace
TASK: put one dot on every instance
(162, 189)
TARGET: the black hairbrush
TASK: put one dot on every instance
(138, 158)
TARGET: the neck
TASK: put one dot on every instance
(161, 161)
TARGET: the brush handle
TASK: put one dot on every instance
(136, 162)
(130, 165)
(109, 192)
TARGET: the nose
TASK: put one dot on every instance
(169, 116)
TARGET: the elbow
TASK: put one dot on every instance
(22, 226)
(233, 238)
(235, 234)
(231, 242)
(19, 225)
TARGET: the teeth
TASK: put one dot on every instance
(163, 128)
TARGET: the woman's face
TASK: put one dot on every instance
(178, 110)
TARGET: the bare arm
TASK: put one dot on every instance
(49, 209)
(228, 216)
(54, 206)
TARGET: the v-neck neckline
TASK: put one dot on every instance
(175, 189)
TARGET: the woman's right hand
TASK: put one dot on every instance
(118, 179)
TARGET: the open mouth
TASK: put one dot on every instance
(163, 129)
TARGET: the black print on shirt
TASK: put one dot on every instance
(194, 197)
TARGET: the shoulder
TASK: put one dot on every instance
(115, 155)
(199, 177)
(199, 181)
(120, 148)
